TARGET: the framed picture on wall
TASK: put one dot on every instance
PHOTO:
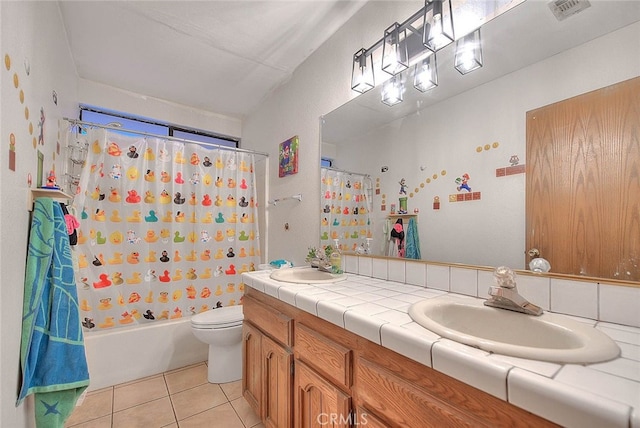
(288, 157)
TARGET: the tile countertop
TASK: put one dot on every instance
(592, 395)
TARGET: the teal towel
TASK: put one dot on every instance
(412, 244)
(52, 356)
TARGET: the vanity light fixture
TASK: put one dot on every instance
(438, 24)
(426, 74)
(468, 53)
(395, 57)
(393, 91)
(362, 74)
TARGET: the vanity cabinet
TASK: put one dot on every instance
(317, 401)
(267, 363)
(341, 379)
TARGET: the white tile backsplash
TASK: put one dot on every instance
(619, 304)
(350, 263)
(578, 298)
(416, 273)
(380, 268)
(395, 270)
(438, 277)
(535, 289)
(365, 266)
(464, 281)
(485, 280)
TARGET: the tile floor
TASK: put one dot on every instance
(180, 398)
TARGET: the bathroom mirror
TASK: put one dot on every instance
(474, 124)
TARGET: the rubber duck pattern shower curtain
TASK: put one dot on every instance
(345, 209)
(166, 228)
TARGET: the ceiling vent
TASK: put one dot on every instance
(562, 9)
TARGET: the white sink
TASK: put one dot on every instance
(548, 337)
(306, 275)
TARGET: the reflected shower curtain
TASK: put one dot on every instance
(345, 209)
(166, 228)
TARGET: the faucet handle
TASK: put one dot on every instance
(505, 277)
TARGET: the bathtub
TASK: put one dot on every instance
(130, 353)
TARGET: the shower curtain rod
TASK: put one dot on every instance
(346, 172)
(167, 137)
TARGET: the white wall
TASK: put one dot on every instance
(445, 136)
(99, 95)
(321, 84)
(492, 112)
(32, 33)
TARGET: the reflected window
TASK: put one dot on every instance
(150, 126)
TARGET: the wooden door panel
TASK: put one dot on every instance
(317, 402)
(583, 183)
(277, 377)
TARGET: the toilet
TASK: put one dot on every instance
(221, 329)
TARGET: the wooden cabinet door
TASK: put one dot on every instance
(318, 404)
(252, 367)
(583, 191)
(277, 377)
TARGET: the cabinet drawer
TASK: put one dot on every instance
(402, 404)
(324, 355)
(271, 322)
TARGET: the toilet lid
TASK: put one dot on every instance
(227, 316)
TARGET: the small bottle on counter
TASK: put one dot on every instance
(336, 258)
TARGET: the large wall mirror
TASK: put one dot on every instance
(460, 149)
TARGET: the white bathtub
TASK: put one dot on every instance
(130, 353)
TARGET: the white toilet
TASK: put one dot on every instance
(221, 329)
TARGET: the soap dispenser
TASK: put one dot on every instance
(336, 258)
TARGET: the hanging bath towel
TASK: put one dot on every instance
(412, 246)
(52, 356)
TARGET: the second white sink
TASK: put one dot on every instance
(306, 275)
(548, 337)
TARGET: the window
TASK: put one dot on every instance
(152, 127)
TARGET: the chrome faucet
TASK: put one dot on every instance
(505, 295)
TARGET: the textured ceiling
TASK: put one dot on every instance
(219, 56)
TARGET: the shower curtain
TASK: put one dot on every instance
(166, 228)
(345, 208)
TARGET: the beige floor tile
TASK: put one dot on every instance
(156, 413)
(131, 382)
(134, 393)
(245, 412)
(196, 400)
(173, 425)
(221, 416)
(188, 378)
(185, 367)
(95, 405)
(232, 390)
(103, 422)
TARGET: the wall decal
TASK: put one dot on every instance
(41, 127)
(515, 168)
(288, 157)
(12, 152)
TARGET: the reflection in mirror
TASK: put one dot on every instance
(461, 147)
(346, 207)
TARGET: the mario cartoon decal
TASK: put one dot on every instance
(463, 183)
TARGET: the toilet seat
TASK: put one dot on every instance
(227, 316)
